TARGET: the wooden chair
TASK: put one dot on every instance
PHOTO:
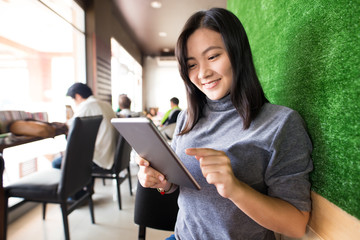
(57, 185)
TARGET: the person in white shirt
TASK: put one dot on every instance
(87, 105)
(124, 107)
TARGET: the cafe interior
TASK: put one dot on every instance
(305, 55)
(113, 46)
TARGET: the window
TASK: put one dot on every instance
(42, 52)
(126, 77)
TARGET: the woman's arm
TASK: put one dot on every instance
(272, 213)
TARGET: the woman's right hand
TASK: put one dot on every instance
(149, 177)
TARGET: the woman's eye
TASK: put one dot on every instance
(191, 66)
(213, 56)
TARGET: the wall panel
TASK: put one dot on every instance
(307, 57)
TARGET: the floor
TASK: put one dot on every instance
(111, 223)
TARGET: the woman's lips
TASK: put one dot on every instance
(211, 84)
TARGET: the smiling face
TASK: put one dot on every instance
(209, 66)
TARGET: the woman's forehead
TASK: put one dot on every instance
(203, 40)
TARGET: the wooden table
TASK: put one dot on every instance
(19, 141)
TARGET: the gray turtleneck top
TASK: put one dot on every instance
(272, 156)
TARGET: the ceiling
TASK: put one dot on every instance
(147, 22)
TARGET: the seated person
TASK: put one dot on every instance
(168, 123)
(153, 115)
(171, 115)
(88, 105)
(124, 107)
(105, 145)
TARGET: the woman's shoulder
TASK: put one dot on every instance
(181, 118)
(278, 113)
(274, 109)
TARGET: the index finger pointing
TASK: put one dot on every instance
(201, 152)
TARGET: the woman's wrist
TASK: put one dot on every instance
(167, 189)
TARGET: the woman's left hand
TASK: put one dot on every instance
(216, 168)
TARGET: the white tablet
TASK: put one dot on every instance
(150, 144)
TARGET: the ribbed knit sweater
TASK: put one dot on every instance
(272, 156)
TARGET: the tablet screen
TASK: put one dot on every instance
(150, 144)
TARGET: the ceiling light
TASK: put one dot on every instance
(166, 49)
(162, 34)
(155, 4)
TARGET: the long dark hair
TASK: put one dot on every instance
(246, 92)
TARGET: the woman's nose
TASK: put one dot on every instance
(204, 72)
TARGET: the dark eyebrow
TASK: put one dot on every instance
(210, 48)
(205, 51)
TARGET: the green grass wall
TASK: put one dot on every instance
(307, 56)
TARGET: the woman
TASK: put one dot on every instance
(251, 158)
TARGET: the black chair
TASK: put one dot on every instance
(2, 204)
(57, 185)
(155, 210)
(121, 162)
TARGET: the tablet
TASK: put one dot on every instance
(149, 143)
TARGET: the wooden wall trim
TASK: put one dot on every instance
(331, 222)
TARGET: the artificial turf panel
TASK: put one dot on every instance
(307, 56)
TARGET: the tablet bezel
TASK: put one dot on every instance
(150, 144)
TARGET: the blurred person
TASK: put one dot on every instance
(85, 104)
(171, 115)
(124, 107)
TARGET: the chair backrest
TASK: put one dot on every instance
(173, 116)
(122, 155)
(77, 162)
(155, 210)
